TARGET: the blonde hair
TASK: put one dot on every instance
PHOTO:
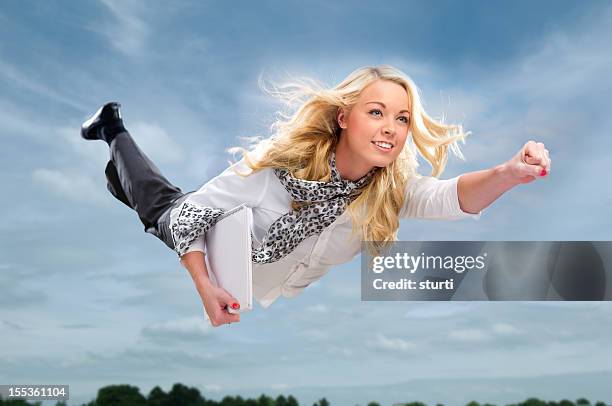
(303, 140)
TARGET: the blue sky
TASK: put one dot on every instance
(88, 299)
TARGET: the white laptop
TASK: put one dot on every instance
(228, 259)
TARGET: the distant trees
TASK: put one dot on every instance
(181, 395)
(120, 395)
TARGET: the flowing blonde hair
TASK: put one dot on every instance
(302, 141)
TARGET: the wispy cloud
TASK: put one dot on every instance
(18, 78)
(71, 186)
(438, 310)
(83, 180)
(505, 329)
(156, 143)
(16, 122)
(128, 31)
(12, 325)
(190, 329)
(469, 335)
(393, 343)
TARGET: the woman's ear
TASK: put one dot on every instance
(341, 118)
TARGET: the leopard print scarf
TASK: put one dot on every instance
(324, 202)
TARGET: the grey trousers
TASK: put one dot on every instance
(135, 180)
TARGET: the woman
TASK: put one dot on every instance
(340, 165)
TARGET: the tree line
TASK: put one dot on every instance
(181, 395)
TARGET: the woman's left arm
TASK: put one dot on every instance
(479, 189)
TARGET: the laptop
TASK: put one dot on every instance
(228, 254)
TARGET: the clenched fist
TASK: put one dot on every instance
(530, 163)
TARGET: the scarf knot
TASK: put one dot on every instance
(325, 201)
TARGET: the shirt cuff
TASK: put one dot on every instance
(457, 211)
(189, 224)
(198, 244)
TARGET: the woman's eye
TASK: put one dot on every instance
(406, 119)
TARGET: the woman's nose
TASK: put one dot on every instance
(388, 129)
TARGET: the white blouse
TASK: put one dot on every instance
(426, 197)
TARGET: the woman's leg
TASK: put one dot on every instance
(114, 184)
(136, 181)
(163, 223)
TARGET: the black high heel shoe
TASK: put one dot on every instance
(108, 116)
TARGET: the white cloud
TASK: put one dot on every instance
(438, 310)
(213, 388)
(93, 154)
(564, 65)
(393, 344)
(280, 386)
(15, 122)
(534, 96)
(20, 78)
(84, 180)
(155, 142)
(71, 185)
(504, 329)
(340, 350)
(318, 308)
(191, 328)
(130, 32)
(469, 335)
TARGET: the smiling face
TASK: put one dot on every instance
(374, 132)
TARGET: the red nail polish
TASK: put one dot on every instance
(543, 173)
(235, 306)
